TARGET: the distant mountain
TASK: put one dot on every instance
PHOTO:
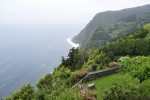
(109, 25)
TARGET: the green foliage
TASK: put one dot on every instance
(147, 26)
(133, 44)
(142, 47)
(26, 92)
(128, 91)
(145, 88)
(140, 33)
(71, 59)
(121, 92)
(63, 73)
(74, 60)
(97, 61)
(69, 95)
(63, 76)
(50, 86)
(41, 95)
(45, 84)
(137, 67)
(106, 82)
(106, 26)
(93, 67)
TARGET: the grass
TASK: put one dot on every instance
(106, 82)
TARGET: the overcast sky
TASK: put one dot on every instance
(59, 11)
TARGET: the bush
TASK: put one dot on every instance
(69, 95)
(40, 95)
(93, 67)
(62, 73)
(90, 95)
(80, 74)
(113, 64)
(71, 80)
(126, 91)
(26, 92)
(45, 83)
(145, 88)
(137, 67)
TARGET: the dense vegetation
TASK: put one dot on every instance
(129, 51)
(103, 84)
(133, 44)
(107, 26)
(57, 85)
(139, 69)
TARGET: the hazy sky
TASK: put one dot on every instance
(59, 11)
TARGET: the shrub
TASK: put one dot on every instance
(137, 67)
(93, 67)
(26, 92)
(90, 95)
(80, 74)
(45, 83)
(126, 91)
(113, 64)
(69, 95)
(62, 73)
(71, 80)
(40, 95)
(145, 88)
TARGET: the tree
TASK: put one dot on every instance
(62, 73)
(45, 84)
(75, 59)
(26, 92)
(40, 95)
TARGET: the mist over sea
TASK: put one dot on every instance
(28, 52)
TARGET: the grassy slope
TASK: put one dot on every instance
(106, 82)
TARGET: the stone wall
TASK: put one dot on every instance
(97, 74)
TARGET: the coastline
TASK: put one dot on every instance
(72, 43)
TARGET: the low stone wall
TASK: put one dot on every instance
(97, 74)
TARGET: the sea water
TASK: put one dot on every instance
(28, 52)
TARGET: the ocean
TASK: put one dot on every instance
(28, 52)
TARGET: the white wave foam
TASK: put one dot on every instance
(72, 43)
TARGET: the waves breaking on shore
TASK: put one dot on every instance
(72, 43)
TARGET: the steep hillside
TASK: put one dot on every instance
(58, 85)
(106, 26)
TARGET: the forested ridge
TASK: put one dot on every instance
(109, 25)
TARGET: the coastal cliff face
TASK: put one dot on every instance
(106, 26)
(128, 52)
(95, 63)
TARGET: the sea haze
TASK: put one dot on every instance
(27, 52)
